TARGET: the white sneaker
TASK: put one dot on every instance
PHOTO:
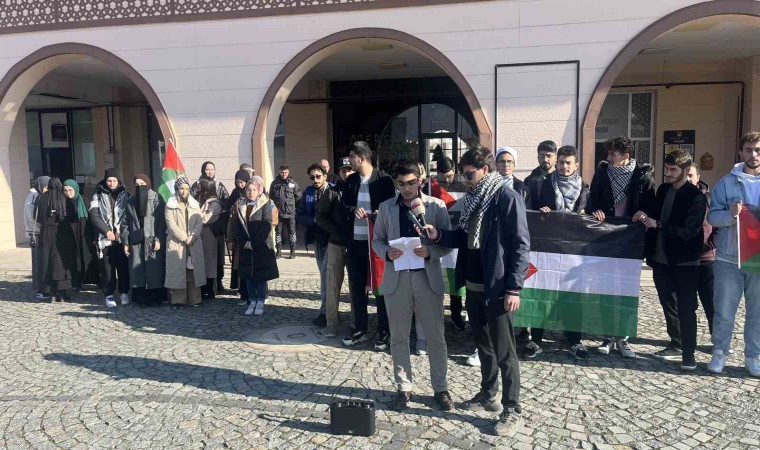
(608, 344)
(421, 347)
(752, 363)
(251, 308)
(110, 303)
(124, 299)
(474, 360)
(625, 348)
(259, 311)
(717, 363)
(42, 296)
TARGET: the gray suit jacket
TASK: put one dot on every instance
(386, 229)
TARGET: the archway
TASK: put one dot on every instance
(15, 87)
(639, 43)
(274, 100)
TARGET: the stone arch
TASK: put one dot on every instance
(278, 92)
(640, 42)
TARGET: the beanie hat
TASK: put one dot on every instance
(111, 173)
(509, 150)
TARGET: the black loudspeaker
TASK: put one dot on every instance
(353, 417)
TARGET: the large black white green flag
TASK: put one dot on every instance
(584, 275)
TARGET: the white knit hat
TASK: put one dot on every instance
(509, 150)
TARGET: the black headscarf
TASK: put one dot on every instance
(203, 168)
(112, 173)
(53, 202)
(237, 193)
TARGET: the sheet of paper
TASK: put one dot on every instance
(408, 260)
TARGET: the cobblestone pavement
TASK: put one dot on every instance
(79, 376)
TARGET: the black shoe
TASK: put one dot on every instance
(320, 321)
(444, 400)
(355, 338)
(458, 321)
(481, 402)
(381, 344)
(523, 335)
(401, 400)
(278, 255)
(579, 351)
(670, 353)
(532, 350)
(688, 362)
(292, 254)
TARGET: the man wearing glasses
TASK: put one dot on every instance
(315, 234)
(493, 243)
(506, 160)
(413, 291)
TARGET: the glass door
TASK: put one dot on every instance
(57, 158)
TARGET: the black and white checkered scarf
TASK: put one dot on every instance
(566, 190)
(619, 179)
(475, 204)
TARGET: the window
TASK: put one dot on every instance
(629, 114)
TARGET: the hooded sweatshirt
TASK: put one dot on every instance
(751, 184)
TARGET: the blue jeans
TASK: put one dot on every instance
(730, 284)
(321, 255)
(257, 290)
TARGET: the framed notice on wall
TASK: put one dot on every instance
(679, 140)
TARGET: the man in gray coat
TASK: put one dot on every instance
(411, 291)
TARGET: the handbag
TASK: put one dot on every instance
(352, 417)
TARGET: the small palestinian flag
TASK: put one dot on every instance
(376, 265)
(749, 238)
(584, 275)
(172, 169)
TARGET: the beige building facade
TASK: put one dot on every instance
(86, 89)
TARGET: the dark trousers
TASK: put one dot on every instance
(114, 265)
(572, 337)
(221, 251)
(455, 305)
(143, 296)
(382, 315)
(677, 290)
(358, 270)
(286, 225)
(706, 288)
(494, 338)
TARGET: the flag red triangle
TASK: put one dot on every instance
(172, 160)
(749, 234)
(531, 271)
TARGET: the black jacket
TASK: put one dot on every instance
(333, 219)
(381, 188)
(545, 196)
(522, 189)
(640, 191)
(684, 235)
(259, 262)
(536, 176)
(505, 248)
(285, 194)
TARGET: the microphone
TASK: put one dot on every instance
(418, 209)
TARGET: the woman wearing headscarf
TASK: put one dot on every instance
(242, 177)
(255, 245)
(55, 250)
(33, 231)
(210, 211)
(107, 209)
(185, 270)
(77, 217)
(144, 236)
(208, 171)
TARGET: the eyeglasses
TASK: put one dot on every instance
(315, 177)
(408, 184)
(504, 162)
(471, 174)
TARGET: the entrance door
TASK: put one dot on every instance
(57, 158)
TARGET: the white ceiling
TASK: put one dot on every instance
(92, 70)
(715, 38)
(356, 63)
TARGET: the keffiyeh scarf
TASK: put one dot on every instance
(619, 179)
(475, 204)
(566, 190)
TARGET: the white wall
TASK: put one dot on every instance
(212, 75)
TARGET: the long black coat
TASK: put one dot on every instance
(58, 253)
(146, 267)
(259, 263)
(81, 234)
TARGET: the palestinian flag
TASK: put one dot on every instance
(172, 169)
(749, 238)
(376, 265)
(584, 275)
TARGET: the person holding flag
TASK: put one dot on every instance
(735, 213)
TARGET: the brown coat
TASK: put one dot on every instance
(183, 220)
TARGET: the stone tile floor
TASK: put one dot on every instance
(79, 376)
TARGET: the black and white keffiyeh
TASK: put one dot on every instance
(475, 204)
(566, 190)
(619, 177)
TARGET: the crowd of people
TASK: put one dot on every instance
(473, 248)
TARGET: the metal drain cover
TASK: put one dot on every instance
(294, 335)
